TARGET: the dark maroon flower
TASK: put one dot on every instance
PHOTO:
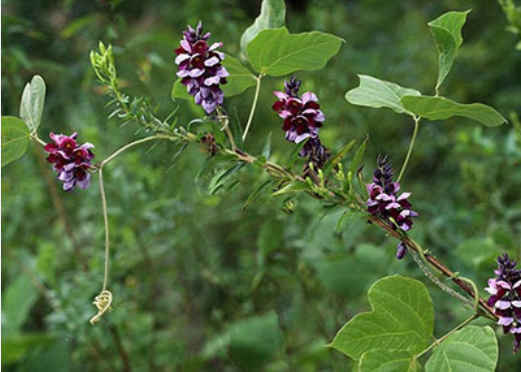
(71, 161)
(384, 201)
(505, 297)
(200, 68)
(302, 115)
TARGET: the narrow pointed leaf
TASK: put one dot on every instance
(276, 52)
(31, 106)
(373, 92)
(272, 15)
(255, 193)
(292, 188)
(446, 31)
(357, 159)
(15, 137)
(329, 166)
(441, 108)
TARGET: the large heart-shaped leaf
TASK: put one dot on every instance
(276, 52)
(272, 15)
(402, 319)
(471, 349)
(373, 92)
(446, 30)
(240, 77)
(388, 361)
(239, 80)
(15, 137)
(441, 108)
(33, 99)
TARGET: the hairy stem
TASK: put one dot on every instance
(411, 146)
(438, 265)
(253, 106)
(436, 281)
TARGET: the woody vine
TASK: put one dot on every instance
(399, 329)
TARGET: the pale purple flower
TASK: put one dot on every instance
(201, 69)
(385, 202)
(72, 162)
(505, 291)
(302, 116)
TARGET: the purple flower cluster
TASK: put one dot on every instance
(200, 68)
(384, 201)
(302, 116)
(71, 161)
(505, 297)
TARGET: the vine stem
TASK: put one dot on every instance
(253, 106)
(444, 337)
(38, 139)
(435, 263)
(225, 122)
(107, 234)
(132, 144)
(411, 146)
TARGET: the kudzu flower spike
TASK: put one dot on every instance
(505, 297)
(201, 69)
(302, 115)
(384, 201)
(72, 162)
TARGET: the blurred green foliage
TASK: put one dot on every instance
(199, 283)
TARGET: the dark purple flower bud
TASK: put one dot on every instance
(385, 202)
(71, 161)
(505, 297)
(201, 69)
(401, 250)
(292, 86)
(302, 115)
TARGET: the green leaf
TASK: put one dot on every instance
(15, 347)
(276, 52)
(293, 188)
(266, 150)
(293, 155)
(33, 99)
(255, 193)
(240, 77)
(272, 15)
(255, 341)
(447, 34)
(402, 319)
(373, 92)
(353, 168)
(15, 137)
(179, 91)
(471, 349)
(328, 167)
(441, 108)
(388, 361)
(239, 80)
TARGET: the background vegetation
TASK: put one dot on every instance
(199, 283)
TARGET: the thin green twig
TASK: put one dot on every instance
(411, 146)
(253, 106)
